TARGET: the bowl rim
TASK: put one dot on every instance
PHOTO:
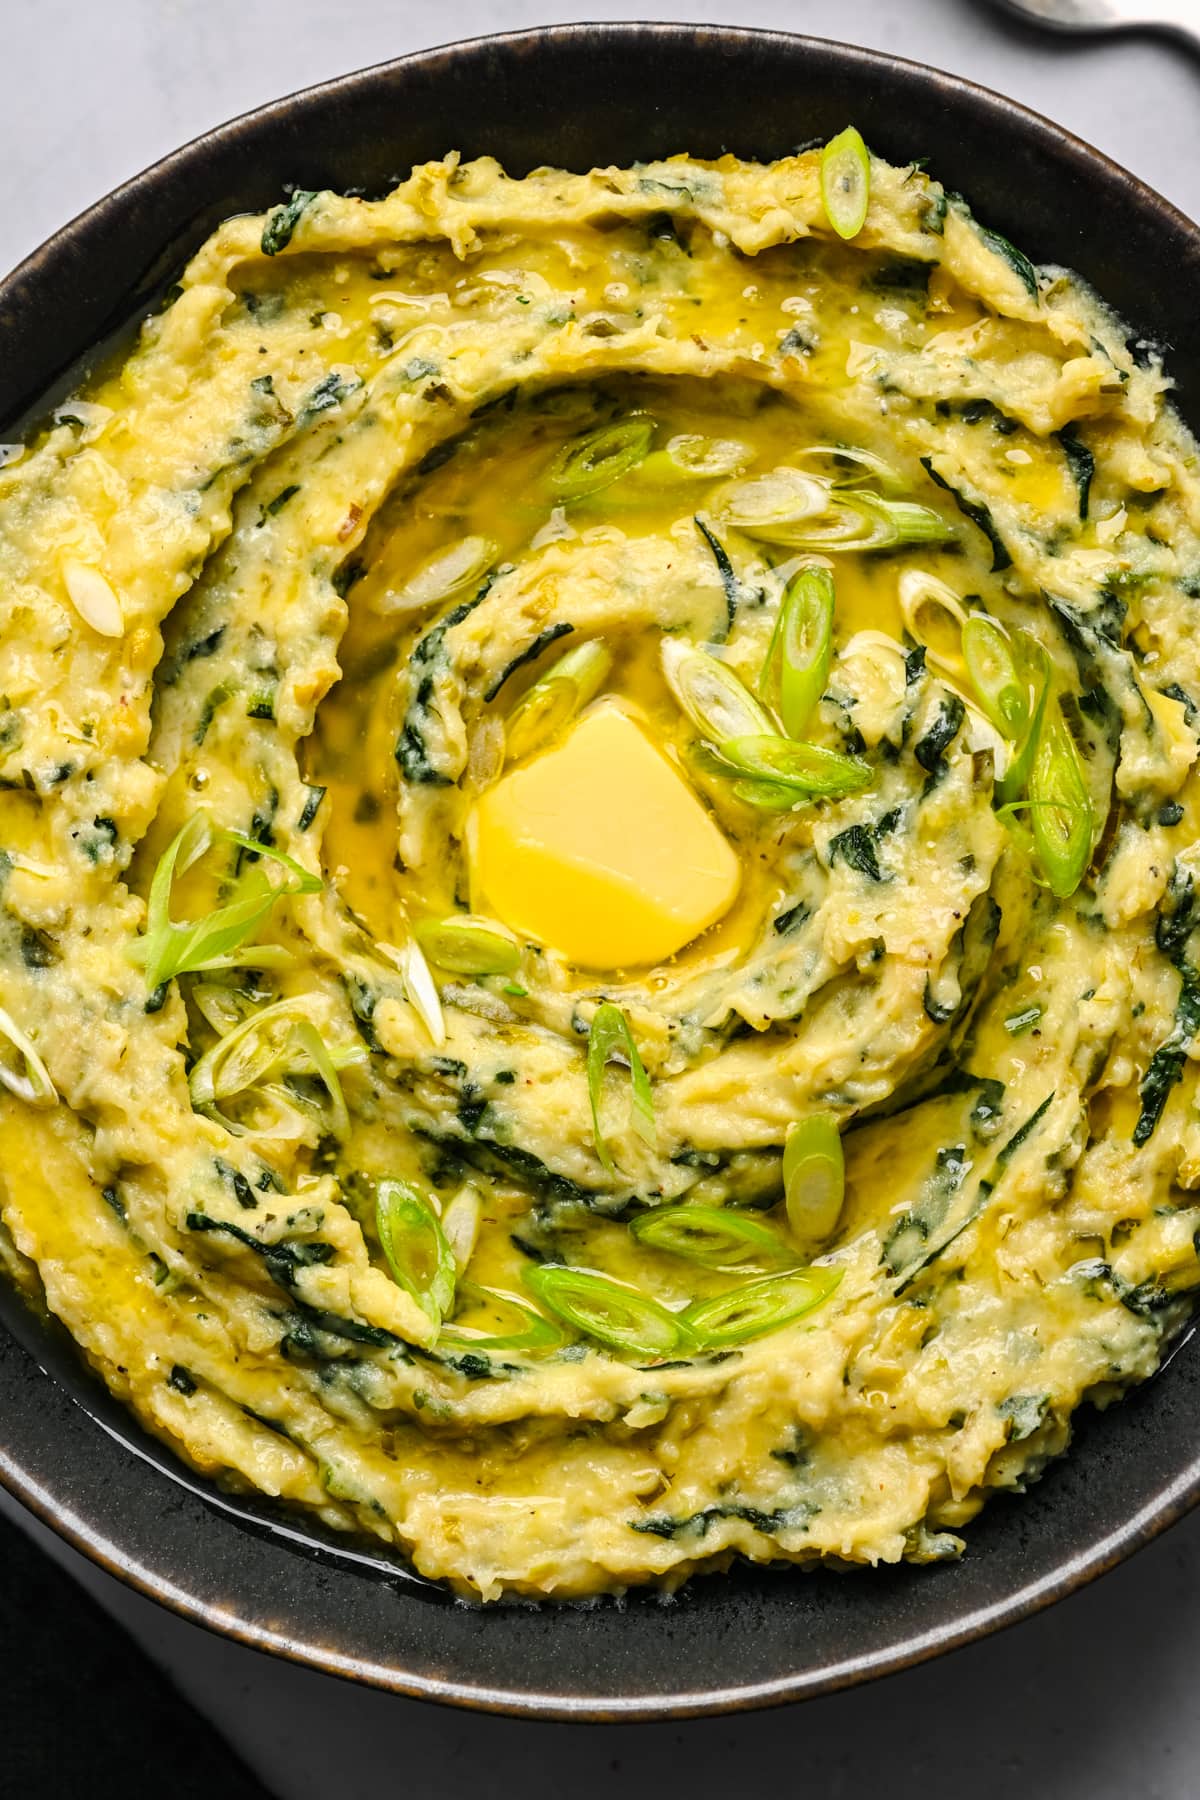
(1166, 1507)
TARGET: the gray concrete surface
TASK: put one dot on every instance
(1092, 1701)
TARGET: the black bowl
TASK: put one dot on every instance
(577, 96)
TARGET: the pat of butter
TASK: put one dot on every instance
(600, 850)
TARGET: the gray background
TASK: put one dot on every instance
(1094, 1700)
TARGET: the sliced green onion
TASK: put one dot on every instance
(420, 989)
(751, 1311)
(620, 1317)
(814, 1177)
(896, 522)
(555, 698)
(841, 522)
(691, 457)
(768, 796)
(846, 182)
(27, 1076)
(1060, 807)
(461, 1221)
(843, 467)
(442, 576)
(245, 1056)
(715, 1236)
(307, 1038)
(1002, 693)
(1033, 662)
(610, 1035)
(223, 1008)
(764, 796)
(215, 941)
(469, 946)
(935, 618)
(804, 766)
(773, 504)
(533, 1332)
(274, 1040)
(714, 699)
(796, 667)
(589, 463)
(412, 1239)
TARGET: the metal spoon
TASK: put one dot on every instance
(1181, 18)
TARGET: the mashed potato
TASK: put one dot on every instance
(524, 700)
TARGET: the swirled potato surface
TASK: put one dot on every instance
(280, 580)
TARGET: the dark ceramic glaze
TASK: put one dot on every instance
(577, 96)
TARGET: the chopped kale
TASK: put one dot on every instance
(282, 221)
(856, 847)
(1165, 1068)
(977, 512)
(1082, 465)
(930, 751)
(1025, 1413)
(412, 751)
(312, 803)
(1173, 691)
(37, 950)
(1016, 260)
(791, 918)
(329, 392)
(282, 1262)
(532, 651)
(796, 343)
(350, 573)
(725, 569)
(243, 1193)
(914, 665)
(279, 502)
(205, 646)
(698, 1524)
(910, 1234)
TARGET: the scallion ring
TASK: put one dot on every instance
(272, 1041)
(846, 182)
(420, 989)
(610, 1036)
(758, 1307)
(594, 461)
(691, 457)
(620, 1317)
(935, 618)
(1001, 691)
(768, 796)
(771, 505)
(461, 1221)
(441, 576)
(412, 1240)
(808, 767)
(717, 1237)
(1033, 663)
(1060, 806)
(716, 701)
(795, 670)
(814, 1177)
(555, 698)
(23, 1073)
(843, 466)
(466, 945)
(532, 1332)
